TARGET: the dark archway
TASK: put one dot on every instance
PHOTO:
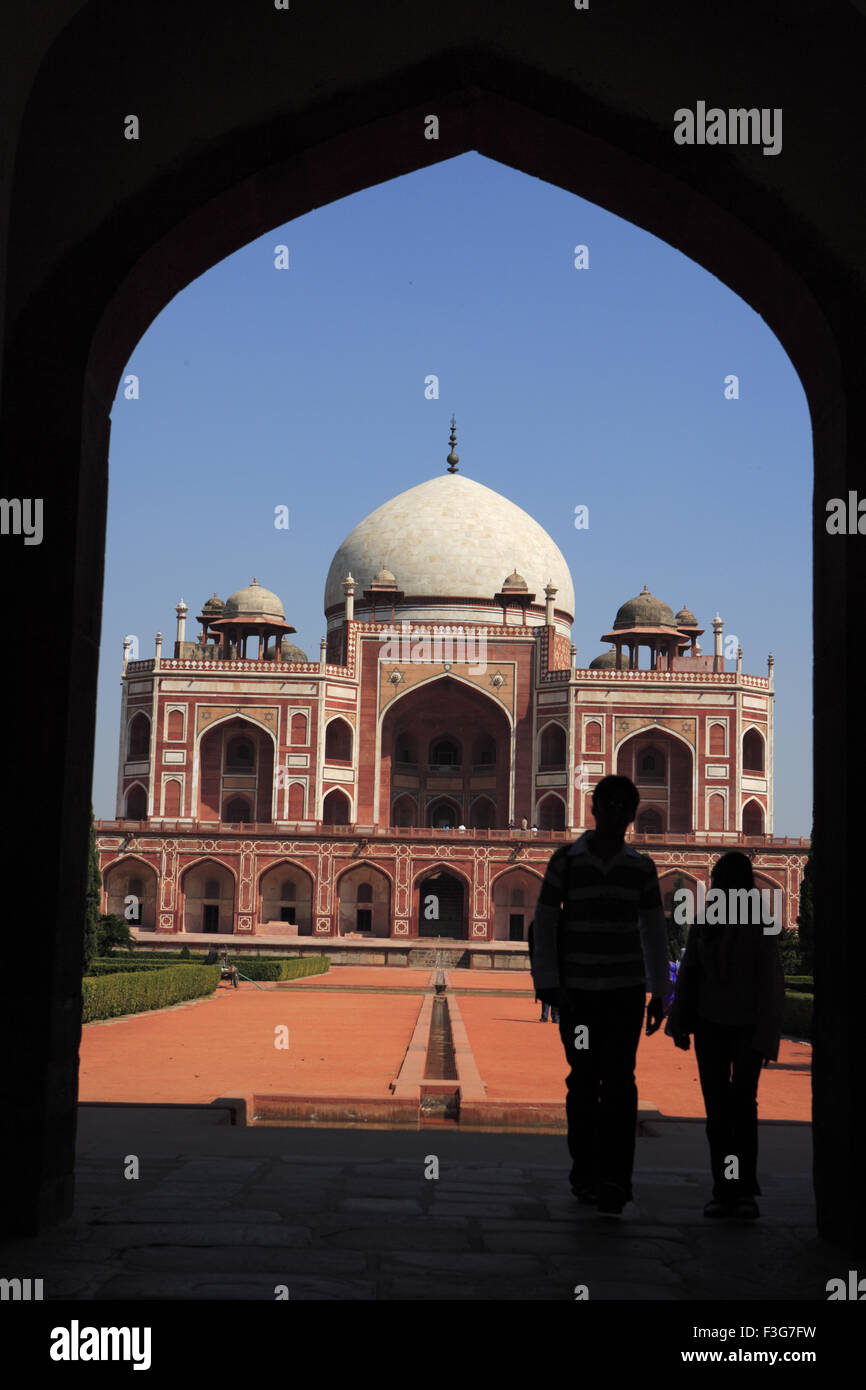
(98, 243)
(336, 808)
(442, 906)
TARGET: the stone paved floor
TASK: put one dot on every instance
(223, 1212)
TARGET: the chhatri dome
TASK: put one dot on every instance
(256, 603)
(644, 611)
(451, 537)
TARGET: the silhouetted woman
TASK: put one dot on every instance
(730, 993)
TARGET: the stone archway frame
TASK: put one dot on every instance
(232, 714)
(639, 733)
(422, 685)
(623, 159)
(122, 860)
(282, 862)
(457, 871)
(207, 858)
(137, 783)
(373, 867)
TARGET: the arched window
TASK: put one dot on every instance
(593, 737)
(139, 737)
(443, 815)
(336, 809)
(483, 814)
(552, 750)
(365, 893)
(650, 822)
(753, 751)
(134, 889)
(444, 752)
(338, 742)
(517, 897)
(299, 729)
(753, 818)
(175, 724)
(717, 740)
(717, 812)
(551, 814)
(650, 765)
(211, 888)
(240, 753)
(297, 808)
(288, 892)
(237, 811)
(403, 812)
(171, 798)
(136, 803)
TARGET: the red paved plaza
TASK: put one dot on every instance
(348, 1035)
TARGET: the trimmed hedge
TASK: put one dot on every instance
(797, 1015)
(134, 992)
(291, 969)
(802, 984)
(113, 966)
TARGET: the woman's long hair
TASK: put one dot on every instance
(732, 870)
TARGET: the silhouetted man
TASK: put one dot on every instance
(599, 938)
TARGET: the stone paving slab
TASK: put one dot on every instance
(345, 1215)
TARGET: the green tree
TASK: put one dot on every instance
(113, 931)
(91, 902)
(806, 914)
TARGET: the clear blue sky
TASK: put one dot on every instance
(604, 386)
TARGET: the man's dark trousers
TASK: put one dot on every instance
(730, 1070)
(601, 1099)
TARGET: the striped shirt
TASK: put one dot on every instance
(599, 925)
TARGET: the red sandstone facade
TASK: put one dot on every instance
(268, 796)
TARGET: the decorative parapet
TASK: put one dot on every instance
(262, 668)
(310, 829)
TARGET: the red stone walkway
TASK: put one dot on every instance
(347, 1041)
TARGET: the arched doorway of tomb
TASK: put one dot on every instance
(661, 765)
(753, 753)
(336, 808)
(445, 743)
(364, 897)
(135, 802)
(482, 814)
(515, 894)
(766, 884)
(552, 746)
(339, 737)
(441, 905)
(753, 818)
(234, 763)
(551, 812)
(650, 821)
(138, 736)
(286, 900)
(670, 880)
(208, 897)
(445, 813)
(405, 811)
(237, 811)
(135, 878)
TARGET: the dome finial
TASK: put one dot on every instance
(453, 458)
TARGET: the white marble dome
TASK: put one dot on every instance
(451, 537)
